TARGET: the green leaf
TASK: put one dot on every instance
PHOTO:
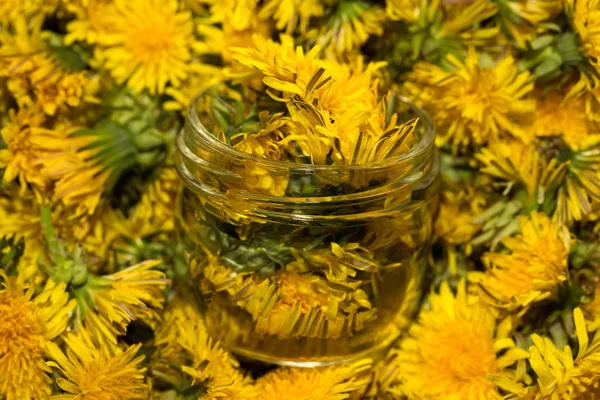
(149, 159)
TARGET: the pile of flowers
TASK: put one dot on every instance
(95, 300)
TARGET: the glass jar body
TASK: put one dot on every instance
(291, 278)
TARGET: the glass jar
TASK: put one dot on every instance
(297, 276)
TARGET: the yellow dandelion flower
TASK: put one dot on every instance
(55, 90)
(457, 210)
(217, 41)
(108, 303)
(557, 116)
(450, 21)
(11, 10)
(524, 19)
(155, 211)
(231, 24)
(20, 157)
(518, 162)
(167, 359)
(455, 222)
(403, 10)
(241, 14)
(581, 187)
(334, 87)
(299, 295)
(452, 349)
(592, 309)
(93, 19)
(532, 271)
(459, 20)
(96, 233)
(560, 375)
(22, 50)
(350, 26)
(333, 106)
(28, 322)
(148, 45)
(525, 166)
(22, 46)
(472, 104)
(290, 14)
(79, 181)
(328, 383)
(20, 219)
(200, 78)
(211, 366)
(284, 305)
(183, 347)
(290, 68)
(592, 104)
(266, 144)
(89, 372)
(386, 382)
(263, 181)
(585, 18)
(34, 76)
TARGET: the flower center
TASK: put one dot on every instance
(20, 327)
(465, 355)
(104, 379)
(152, 38)
(22, 374)
(478, 96)
(302, 288)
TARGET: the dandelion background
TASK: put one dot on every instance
(94, 298)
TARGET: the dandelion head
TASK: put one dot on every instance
(585, 18)
(291, 14)
(453, 347)
(330, 383)
(148, 45)
(472, 103)
(19, 158)
(567, 118)
(454, 223)
(534, 268)
(27, 322)
(92, 373)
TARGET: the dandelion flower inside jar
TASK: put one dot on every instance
(307, 206)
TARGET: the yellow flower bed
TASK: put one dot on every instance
(96, 294)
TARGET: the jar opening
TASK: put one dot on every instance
(241, 184)
(422, 146)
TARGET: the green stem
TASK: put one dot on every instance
(57, 252)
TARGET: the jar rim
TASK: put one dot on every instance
(420, 147)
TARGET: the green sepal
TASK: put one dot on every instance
(84, 300)
(57, 252)
(63, 267)
(585, 254)
(541, 41)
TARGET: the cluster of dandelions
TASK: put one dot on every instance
(94, 301)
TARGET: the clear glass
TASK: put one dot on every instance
(305, 279)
